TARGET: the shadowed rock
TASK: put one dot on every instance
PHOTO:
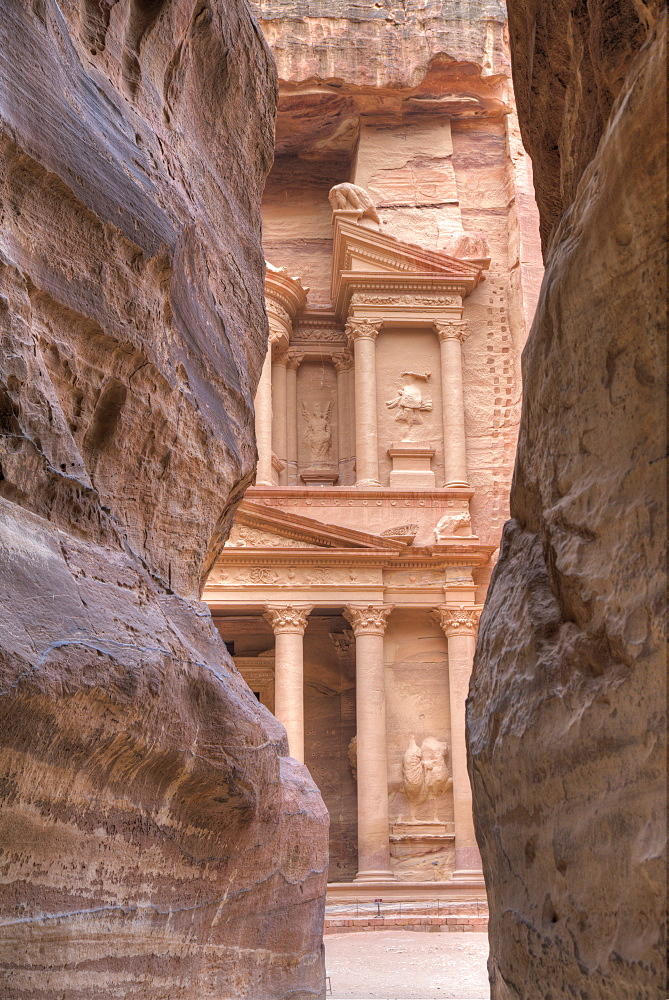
(566, 716)
(156, 839)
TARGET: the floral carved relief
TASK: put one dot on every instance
(287, 618)
(458, 621)
(368, 620)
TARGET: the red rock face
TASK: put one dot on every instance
(156, 842)
(566, 718)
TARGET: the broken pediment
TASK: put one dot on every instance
(257, 526)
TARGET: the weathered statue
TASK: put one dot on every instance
(351, 198)
(410, 401)
(318, 431)
(425, 773)
(453, 522)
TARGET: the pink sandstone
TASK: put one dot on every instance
(156, 839)
(567, 707)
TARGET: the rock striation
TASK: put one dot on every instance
(156, 839)
(566, 715)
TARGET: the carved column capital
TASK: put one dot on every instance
(343, 361)
(294, 359)
(452, 330)
(457, 621)
(369, 619)
(287, 617)
(361, 329)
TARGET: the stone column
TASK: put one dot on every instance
(460, 625)
(293, 361)
(343, 364)
(363, 335)
(288, 623)
(279, 421)
(263, 420)
(369, 624)
(451, 336)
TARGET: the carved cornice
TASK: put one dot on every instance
(361, 329)
(369, 619)
(290, 618)
(452, 330)
(457, 621)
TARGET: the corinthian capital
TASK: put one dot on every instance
(362, 329)
(343, 361)
(452, 330)
(368, 619)
(287, 617)
(294, 359)
(457, 621)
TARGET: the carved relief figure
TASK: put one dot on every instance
(410, 402)
(351, 198)
(318, 432)
(425, 773)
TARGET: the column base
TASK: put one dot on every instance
(457, 485)
(375, 876)
(466, 875)
(367, 482)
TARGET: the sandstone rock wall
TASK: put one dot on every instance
(566, 717)
(414, 101)
(156, 841)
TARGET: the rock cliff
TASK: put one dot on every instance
(156, 840)
(566, 716)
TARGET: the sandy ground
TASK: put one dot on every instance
(405, 965)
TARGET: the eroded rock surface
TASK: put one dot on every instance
(156, 840)
(566, 719)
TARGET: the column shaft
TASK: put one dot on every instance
(288, 624)
(453, 403)
(263, 422)
(364, 335)
(460, 628)
(373, 825)
(279, 421)
(294, 359)
(342, 363)
(288, 689)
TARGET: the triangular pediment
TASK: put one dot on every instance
(260, 527)
(357, 248)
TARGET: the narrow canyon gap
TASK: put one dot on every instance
(156, 839)
(567, 707)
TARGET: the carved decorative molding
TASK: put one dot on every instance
(362, 329)
(368, 620)
(401, 531)
(288, 618)
(317, 334)
(358, 298)
(457, 621)
(453, 330)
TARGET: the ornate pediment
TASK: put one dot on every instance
(361, 254)
(261, 527)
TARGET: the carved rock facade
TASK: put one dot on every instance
(153, 829)
(567, 711)
(402, 264)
